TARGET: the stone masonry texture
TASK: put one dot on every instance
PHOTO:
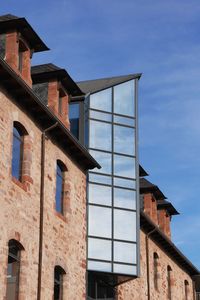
(64, 241)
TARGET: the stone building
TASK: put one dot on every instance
(66, 233)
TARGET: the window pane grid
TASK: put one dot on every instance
(121, 198)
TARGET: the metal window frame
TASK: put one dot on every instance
(112, 175)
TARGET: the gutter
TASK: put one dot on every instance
(41, 224)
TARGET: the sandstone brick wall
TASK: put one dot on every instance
(136, 289)
(64, 236)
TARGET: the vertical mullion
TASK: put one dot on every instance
(112, 182)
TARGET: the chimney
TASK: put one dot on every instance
(165, 212)
(150, 207)
(54, 87)
(164, 222)
(18, 42)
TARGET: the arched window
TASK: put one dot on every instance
(169, 282)
(186, 286)
(60, 172)
(17, 150)
(155, 270)
(14, 250)
(59, 272)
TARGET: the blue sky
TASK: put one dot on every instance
(102, 38)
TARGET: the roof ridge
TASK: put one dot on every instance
(112, 77)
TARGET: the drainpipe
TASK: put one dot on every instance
(147, 262)
(43, 137)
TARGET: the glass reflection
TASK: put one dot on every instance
(100, 135)
(124, 198)
(124, 166)
(127, 183)
(99, 266)
(124, 225)
(99, 194)
(100, 116)
(124, 98)
(124, 140)
(102, 100)
(125, 252)
(104, 159)
(124, 120)
(100, 178)
(99, 249)
(125, 269)
(96, 226)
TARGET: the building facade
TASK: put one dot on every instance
(78, 219)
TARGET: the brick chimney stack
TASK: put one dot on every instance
(54, 87)
(18, 42)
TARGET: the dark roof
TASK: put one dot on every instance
(142, 171)
(165, 243)
(9, 22)
(168, 206)
(147, 186)
(24, 96)
(43, 73)
(92, 86)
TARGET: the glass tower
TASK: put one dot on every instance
(110, 125)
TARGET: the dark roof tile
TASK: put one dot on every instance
(10, 22)
(92, 86)
(42, 73)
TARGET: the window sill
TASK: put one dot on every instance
(59, 215)
(22, 185)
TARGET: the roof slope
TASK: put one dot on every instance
(165, 243)
(92, 86)
(42, 73)
(10, 22)
(147, 186)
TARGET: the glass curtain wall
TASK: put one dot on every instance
(112, 190)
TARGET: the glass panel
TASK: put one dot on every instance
(124, 120)
(124, 225)
(16, 154)
(104, 159)
(99, 221)
(124, 166)
(125, 252)
(74, 112)
(100, 116)
(102, 100)
(99, 266)
(99, 178)
(99, 249)
(124, 98)
(100, 135)
(127, 183)
(59, 190)
(125, 269)
(124, 198)
(124, 140)
(99, 194)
